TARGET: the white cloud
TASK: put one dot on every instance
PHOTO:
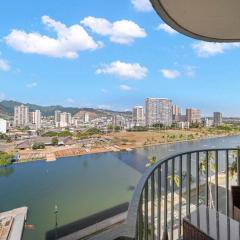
(70, 100)
(208, 49)
(142, 5)
(125, 88)
(68, 43)
(4, 66)
(166, 28)
(32, 85)
(104, 106)
(2, 96)
(124, 70)
(122, 32)
(189, 71)
(168, 73)
(103, 90)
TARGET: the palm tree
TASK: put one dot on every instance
(233, 167)
(151, 161)
(203, 169)
(175, 178)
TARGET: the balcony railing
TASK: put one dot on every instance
(174, 187)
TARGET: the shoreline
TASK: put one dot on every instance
(74, 151)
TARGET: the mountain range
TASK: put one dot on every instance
(7, 109)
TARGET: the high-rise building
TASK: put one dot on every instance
(57, 118)
(86, 118)
(138, 116)
(177, 113)
(217, 118)
(3, 126)
(37, 118)
(193, 115)
(65, 119)
(118, 120)
(21, 116)
(158, 110)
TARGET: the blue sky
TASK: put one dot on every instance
(110, 54)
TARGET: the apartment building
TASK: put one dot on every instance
(65, 119)
(37, 119)
(193, 115)
(176, 113)
(158, 111)
(3, 126)
(138, 116)
(21, 116)
(217, 118)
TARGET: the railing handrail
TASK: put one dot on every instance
(131, 221)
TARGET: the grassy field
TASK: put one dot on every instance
(158, 137)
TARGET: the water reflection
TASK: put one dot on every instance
(6, 171)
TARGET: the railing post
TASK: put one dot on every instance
(146, 211)
(172, 196)
(227, 182)
(180, 197)
(165, 199)
(238, 167)
(197, 177)
(207, 166)
(152, 205)
(216, 180)
(159, 204)
(188, 183)
(140, 219)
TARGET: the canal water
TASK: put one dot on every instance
(84, 185)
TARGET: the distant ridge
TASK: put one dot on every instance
(7, 109)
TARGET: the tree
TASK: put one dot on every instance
(151, 161)
(38, 146)
(54, 141)
(110, 127)
(203, 171)
(233, 167)
(117, 128)
(175, 179)
(138, 129)
(5, 159)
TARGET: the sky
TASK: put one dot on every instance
(110, 54)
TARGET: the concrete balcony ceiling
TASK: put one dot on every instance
(209, 20)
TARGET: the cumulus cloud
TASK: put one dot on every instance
(32, 85)
(166, 28)
(124, 70)
(125, 87)
(68, 43)
(208, 49)
(168, 73)
(4, 66)
(142, 5)
(121, 32)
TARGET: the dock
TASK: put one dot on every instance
(12, 223)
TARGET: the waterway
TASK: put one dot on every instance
(84, 185)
